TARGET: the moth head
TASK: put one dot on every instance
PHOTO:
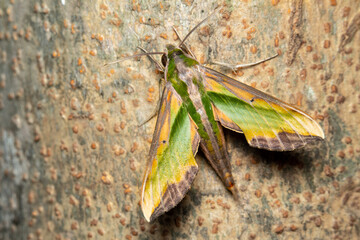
(164, 59)
(170, 48)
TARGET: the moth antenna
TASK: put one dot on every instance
(192, 30)
(186, 47)
(242, 66)
(134, 56)
(136, 35)
(158, 65)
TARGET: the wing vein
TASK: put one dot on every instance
(260, 127)
(245, 121)
(265, 120)
(288, 123)
(296, 119)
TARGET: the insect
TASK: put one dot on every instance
(196, 103)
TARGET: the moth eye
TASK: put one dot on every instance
(163, 60)
(164, 141)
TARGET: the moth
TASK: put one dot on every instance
(196, 103)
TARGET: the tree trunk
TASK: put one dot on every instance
(72, 155)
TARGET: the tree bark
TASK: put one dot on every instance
(72, 155)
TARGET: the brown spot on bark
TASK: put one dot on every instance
(308, 196)
(293, 227)
(330, 99)
(333, 2)
(94, 222)
(347, 140)
(318, 221)
(334, 89)
(74, 226)
(327, 43)
(341, 154)
(107, 178)
(327, 171)
(327, 27)
(340, 99)
(200, 220)
(346, 12)
(279, 229)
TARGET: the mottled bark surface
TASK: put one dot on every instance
(72, 156)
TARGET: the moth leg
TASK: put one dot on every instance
(184, 45)
(241, 66)
(151, 116)
(156, 110)
(158, 65)
(161, 81)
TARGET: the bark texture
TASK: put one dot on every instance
(72, 156)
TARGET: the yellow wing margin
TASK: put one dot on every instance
(171, 167)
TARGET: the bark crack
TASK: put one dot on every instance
(348, 36)
(296, 32)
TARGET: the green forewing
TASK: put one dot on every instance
(172, 167)
(266, 121)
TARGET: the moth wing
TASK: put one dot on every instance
(171, 167)
(267, 122)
